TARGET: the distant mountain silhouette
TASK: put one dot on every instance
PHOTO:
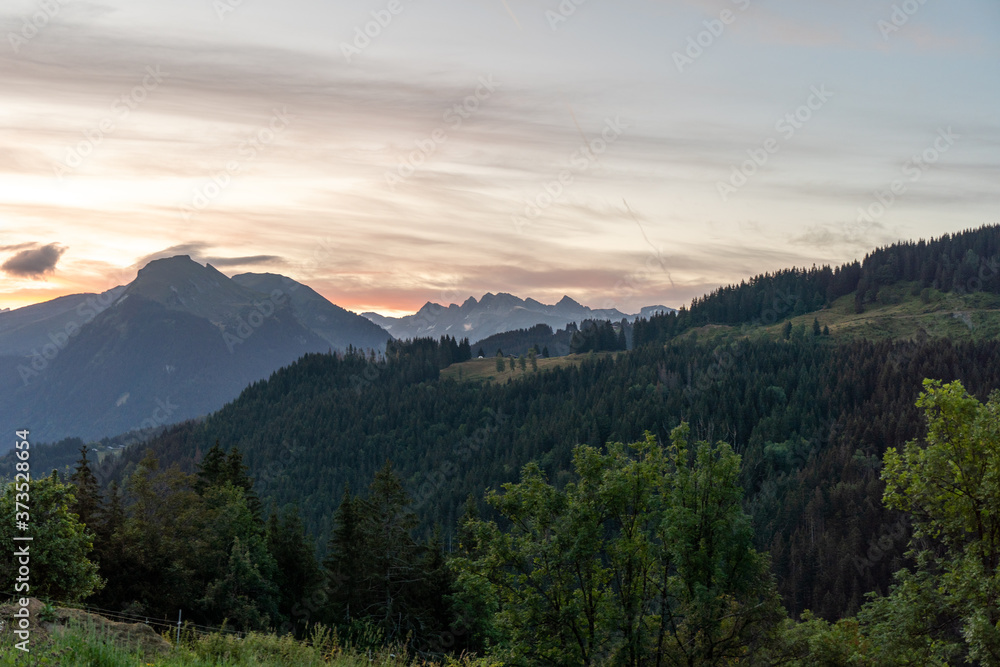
(493, 314)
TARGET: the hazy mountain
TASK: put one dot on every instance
(32, 327)
(494, 313)
(649, 311)
(180, 341)
(337, 326)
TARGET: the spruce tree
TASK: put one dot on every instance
(87, 496)
(235, 472)
(298, 574)
(392, 555)
(211, 469)
(344, 564)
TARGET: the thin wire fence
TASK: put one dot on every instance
(165, 624)
(122, 617)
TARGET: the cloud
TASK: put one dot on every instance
(193, 249)
(198, 251)
(245, 261)
(34, 262)
(18, 246)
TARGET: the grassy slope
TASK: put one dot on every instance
(901, 315)
(485, 370)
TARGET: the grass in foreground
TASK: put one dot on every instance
(86, 645)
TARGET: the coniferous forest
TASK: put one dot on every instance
(799, 498)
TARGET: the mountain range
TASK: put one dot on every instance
(183, 339)
(497, 313)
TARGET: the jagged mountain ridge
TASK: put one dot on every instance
(496, 313)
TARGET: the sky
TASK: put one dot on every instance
(393, 152)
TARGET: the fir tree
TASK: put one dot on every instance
(87, 496)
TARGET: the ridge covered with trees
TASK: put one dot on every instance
(965, 262)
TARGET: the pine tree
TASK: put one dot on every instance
(87, 502)
(211, 470)
(298, 574)
(392, 555)
(431, 595)
(344, 564)
(110, 550)
(235, 472)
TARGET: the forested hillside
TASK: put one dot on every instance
(810, 419)
(810, 416)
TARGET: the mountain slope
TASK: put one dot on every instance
(339, 327)
(27, 330)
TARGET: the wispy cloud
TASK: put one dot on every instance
(313, 203)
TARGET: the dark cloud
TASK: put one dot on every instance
(34, 262)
